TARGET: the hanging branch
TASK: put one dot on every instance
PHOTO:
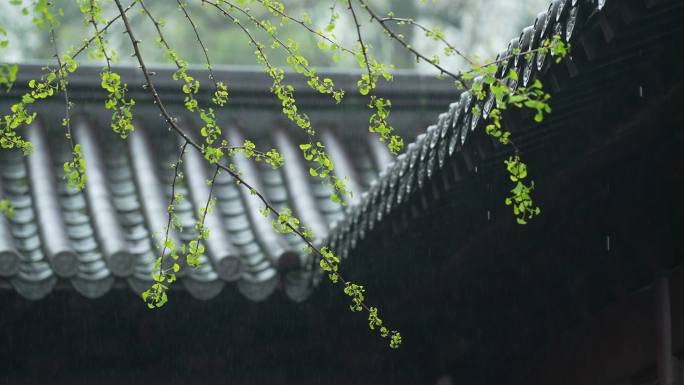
(171, 205)
(61, 78)
(191, 87)
(367, 86)
(333, 15)
(313, 150)
(104, 29)
(359, 38)
(100, 42)
(284, 219)
(75, 168)
(205, 51)
(299, 63)
(156, 296)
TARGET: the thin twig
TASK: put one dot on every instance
(157, 26)
(63, 86)
(393, 35)
(212, 182)
(258, 24)
(202, 213)
(98, 35)
(456, 76)
(359, 38)
(332, 12)
(199, 40)
(306, 26)
(427, 30)
(88, 42)
(252, 39)
(176, 173)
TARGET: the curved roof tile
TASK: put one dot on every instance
(111, 231)
(444, 145)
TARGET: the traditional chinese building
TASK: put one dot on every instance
(589, 292)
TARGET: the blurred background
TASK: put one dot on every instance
(476, 27)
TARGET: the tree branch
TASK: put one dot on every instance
(172, 122)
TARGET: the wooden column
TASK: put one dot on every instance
(665, 361)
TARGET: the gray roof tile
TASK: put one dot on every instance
(441, 144)
(111, 229)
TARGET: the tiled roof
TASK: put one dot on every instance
(105, 236)
(108, 230)
(55, 239)
(448, 152)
